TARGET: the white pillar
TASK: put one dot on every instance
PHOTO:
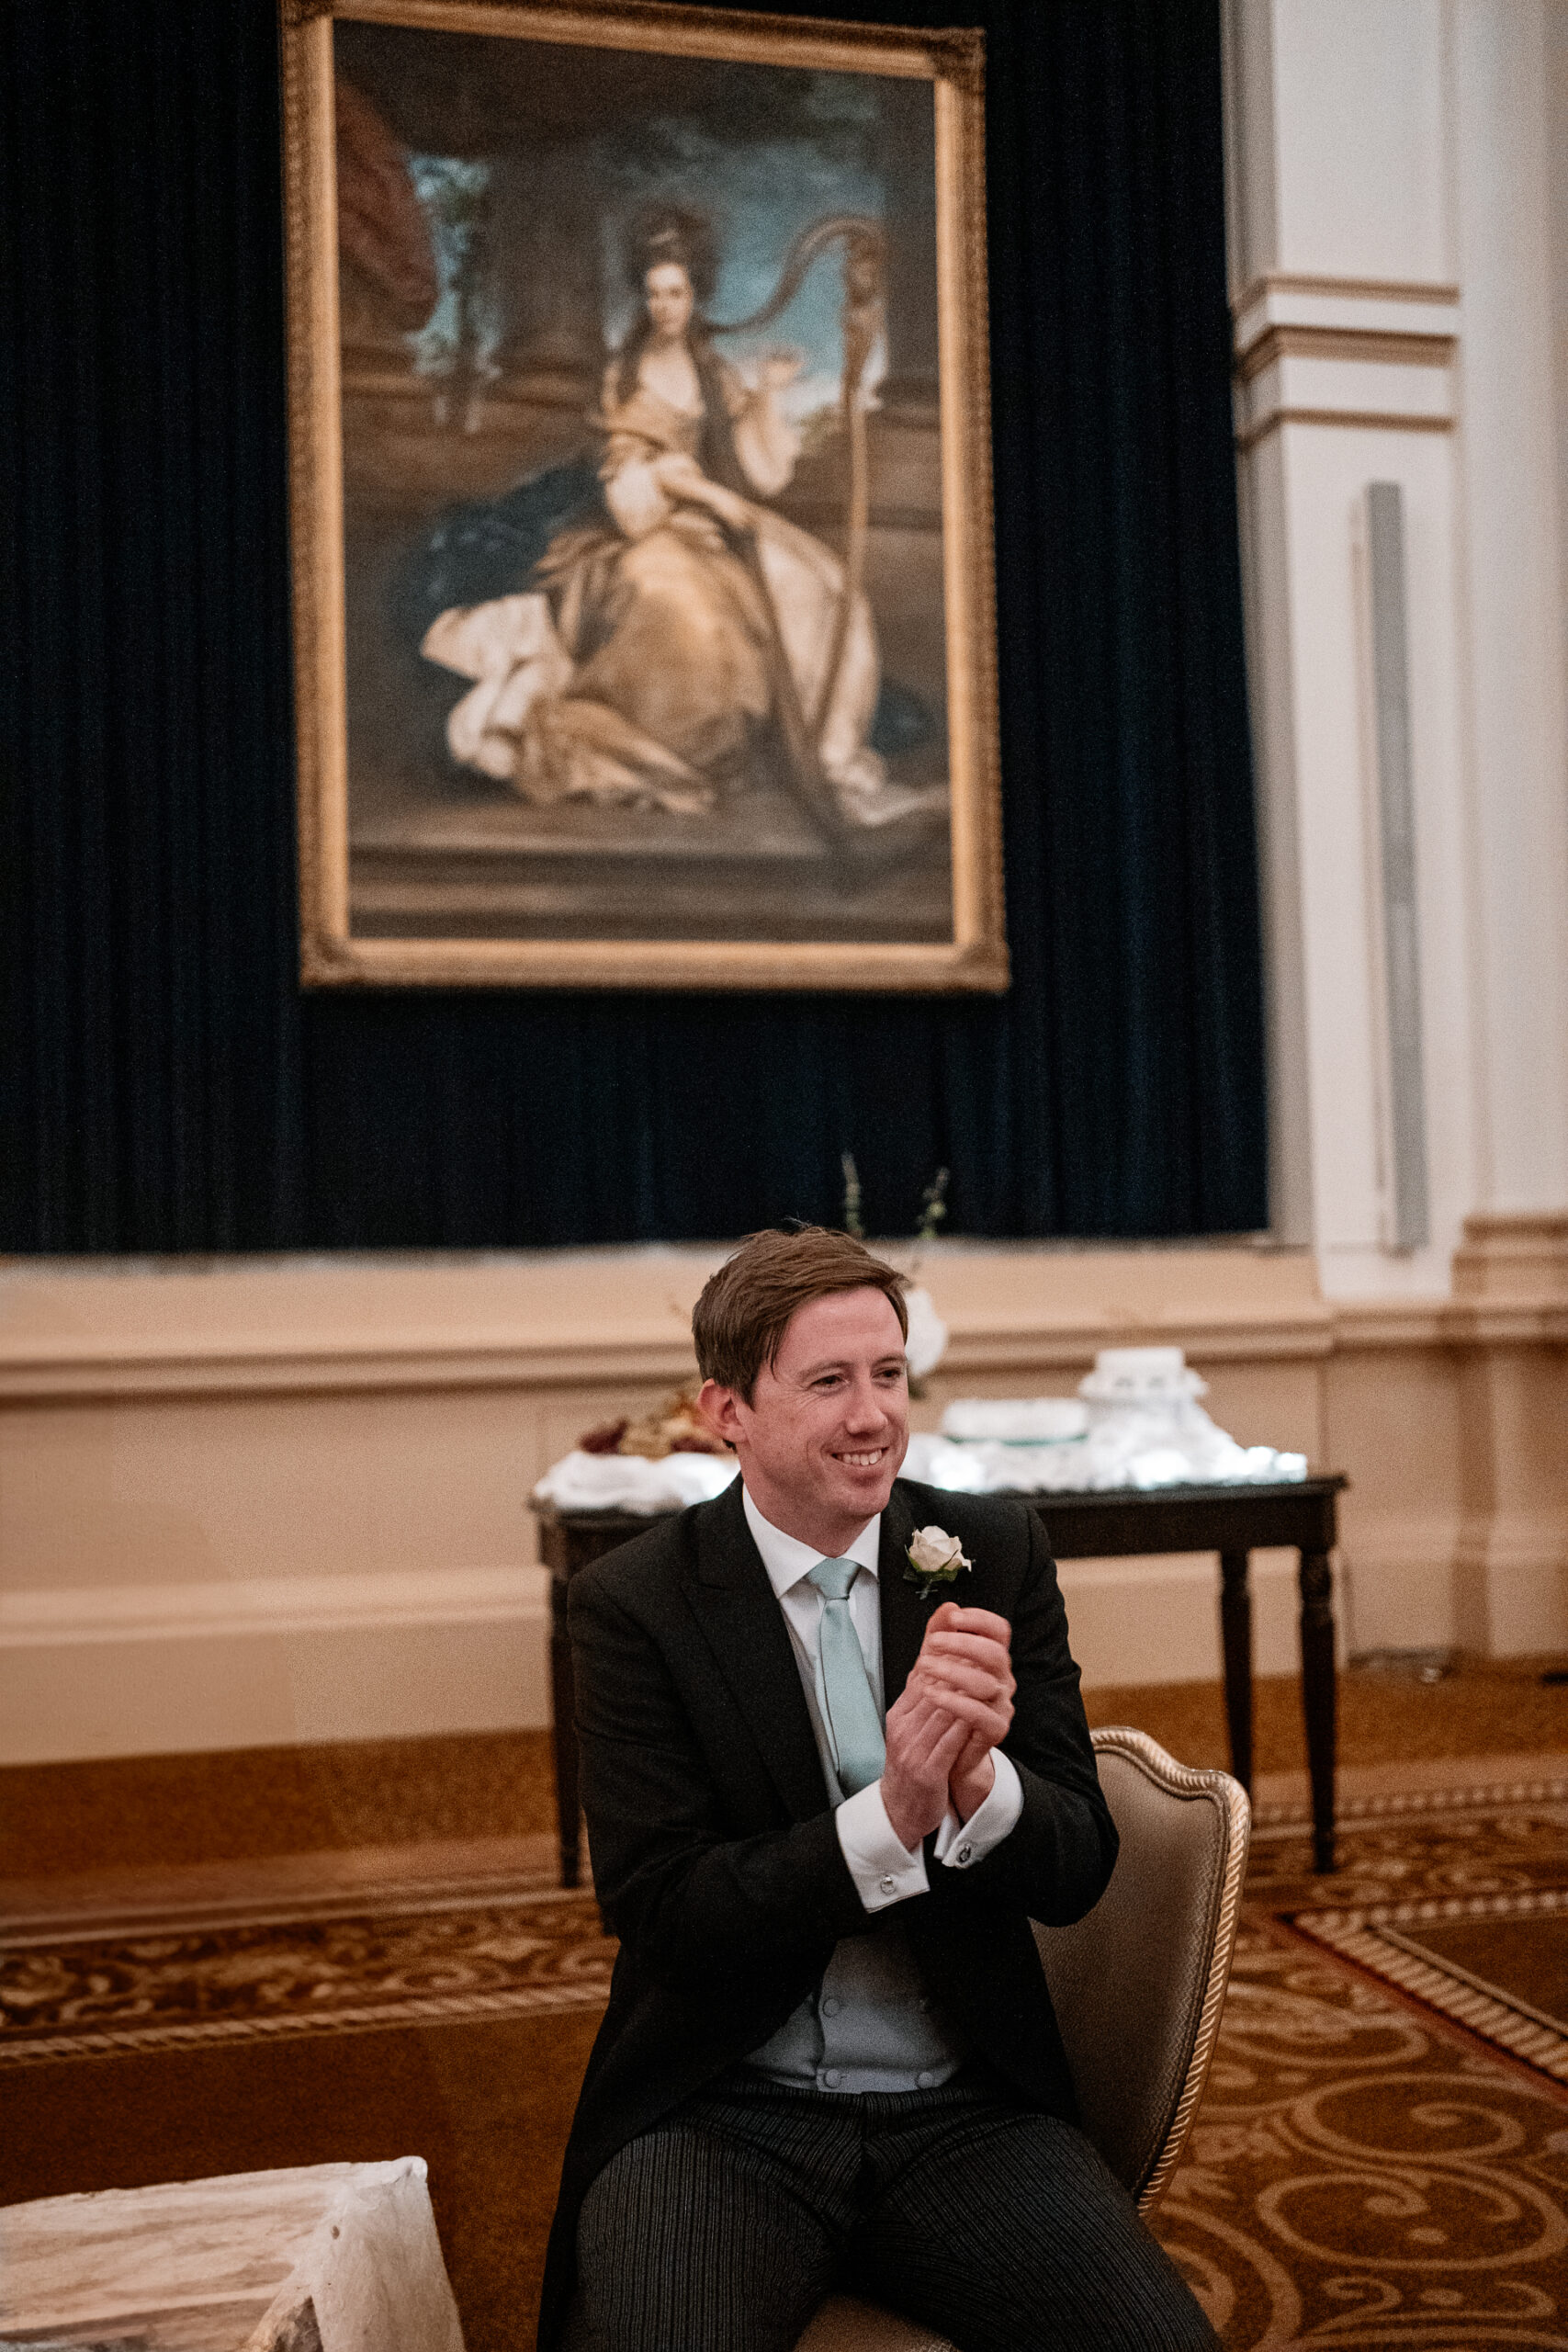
(1501, 172)
(1391, 180)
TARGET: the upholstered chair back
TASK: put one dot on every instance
(1138, 1985)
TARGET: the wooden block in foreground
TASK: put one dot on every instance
(321, 2258)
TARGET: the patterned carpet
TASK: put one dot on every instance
(1380, 2158)
(448, 1961)
(1363, 2172)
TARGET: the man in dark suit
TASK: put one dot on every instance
(824, 1804)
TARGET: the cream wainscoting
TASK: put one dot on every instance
(278, 1502)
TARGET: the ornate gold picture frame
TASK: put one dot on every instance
(643, 599)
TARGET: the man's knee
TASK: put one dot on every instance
(1017, 2238)
(683, 2247)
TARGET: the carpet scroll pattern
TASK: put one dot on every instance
(1355, 2179)
(1360, 2173)
(1380, 2157)
(450, 1964)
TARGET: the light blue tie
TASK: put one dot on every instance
(844, 1695)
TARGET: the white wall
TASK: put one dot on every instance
(1398, 188)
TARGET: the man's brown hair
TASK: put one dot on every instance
(739, 1321)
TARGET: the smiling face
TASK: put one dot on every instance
(667, 290)
(822, 1437)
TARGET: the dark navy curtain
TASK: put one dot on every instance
(168, 1087)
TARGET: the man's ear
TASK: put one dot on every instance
(720, 1408)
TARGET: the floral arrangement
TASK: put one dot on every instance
(676, 1428)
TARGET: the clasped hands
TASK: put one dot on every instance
(955, 1706)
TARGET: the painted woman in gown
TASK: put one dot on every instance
(671, 648)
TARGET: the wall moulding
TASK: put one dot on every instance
(324, 1365)
(1344, 305)
(1491, 1311)
(1519, 1255)
(1357, 290)
(1355, 420)
(1383, 345)
(1371, 354)
(71, 1614)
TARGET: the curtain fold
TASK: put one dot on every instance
(169, 1088)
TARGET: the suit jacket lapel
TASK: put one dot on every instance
(740, 1615)
(904, 1610)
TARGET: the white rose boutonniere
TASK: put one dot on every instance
(935, 1557)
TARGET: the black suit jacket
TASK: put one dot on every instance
(714, 1854)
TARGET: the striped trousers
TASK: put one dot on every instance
(723, 2229)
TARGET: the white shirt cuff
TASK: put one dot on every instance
(881, 1865)
(961, 1844)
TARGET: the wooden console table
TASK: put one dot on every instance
(1234, 1521)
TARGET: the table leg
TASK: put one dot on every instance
(1318, 1699)
(563, 1694)
(1235, 1634)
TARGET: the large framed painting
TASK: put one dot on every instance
(643, 626)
